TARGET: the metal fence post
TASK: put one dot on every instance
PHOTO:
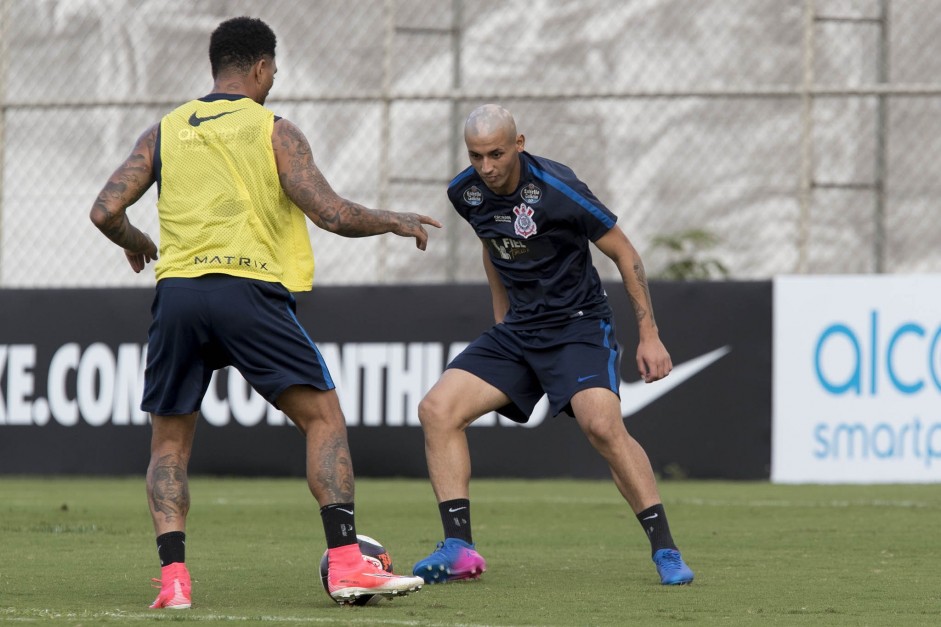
(807, 137)
(4, 55)
(456, 137)
(882, 77)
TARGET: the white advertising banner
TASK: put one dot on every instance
(856, 379)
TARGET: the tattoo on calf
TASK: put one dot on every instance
(335, 472)
(169, 488)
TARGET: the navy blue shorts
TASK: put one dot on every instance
(206, 323)
(558, 361)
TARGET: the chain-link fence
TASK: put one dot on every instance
(799, 135)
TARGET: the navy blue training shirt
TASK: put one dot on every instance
(538, 240)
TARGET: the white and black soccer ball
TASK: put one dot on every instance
(374, 553)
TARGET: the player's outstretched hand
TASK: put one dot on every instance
(410, 225)
(139, 259)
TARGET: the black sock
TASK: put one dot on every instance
(455, 517)
(338, 524)
(171, 547)
(654, 521)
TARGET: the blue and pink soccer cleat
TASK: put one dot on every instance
(453, 560)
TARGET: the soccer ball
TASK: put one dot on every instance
(374, 553)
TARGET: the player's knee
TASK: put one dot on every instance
(436, 412)
(306, 406)
(330, 418)
(603, 433)
(429, 411)
(171, 446)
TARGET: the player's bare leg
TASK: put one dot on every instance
(447, 410)
(171, 445)
(598, 413)
(168, 496)
(330, 479)
(455, 401)
(318, 415)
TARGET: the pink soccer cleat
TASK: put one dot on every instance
(350, 577)
(175, 588)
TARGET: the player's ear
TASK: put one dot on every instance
(520, 142)
(257, 72)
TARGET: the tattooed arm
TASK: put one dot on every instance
(653, 360)
(306, 186)
(123, 189)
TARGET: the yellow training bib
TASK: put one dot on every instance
(221, 205)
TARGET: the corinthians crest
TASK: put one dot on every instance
(524, 225)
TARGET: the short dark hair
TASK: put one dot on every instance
(239, 43)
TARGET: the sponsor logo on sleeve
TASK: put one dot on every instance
(531, 194)
(472, 196)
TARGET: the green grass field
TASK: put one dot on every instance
(80, 551)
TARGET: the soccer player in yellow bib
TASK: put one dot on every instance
(235, 183)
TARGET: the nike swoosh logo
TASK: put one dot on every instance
(455, 509)
(591, 376)
(637, 394)
(375, 575)
(346, 511)
(196, 121)
(651, 517)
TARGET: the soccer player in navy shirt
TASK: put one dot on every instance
(554, 334)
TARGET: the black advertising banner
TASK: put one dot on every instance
(72, 364)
